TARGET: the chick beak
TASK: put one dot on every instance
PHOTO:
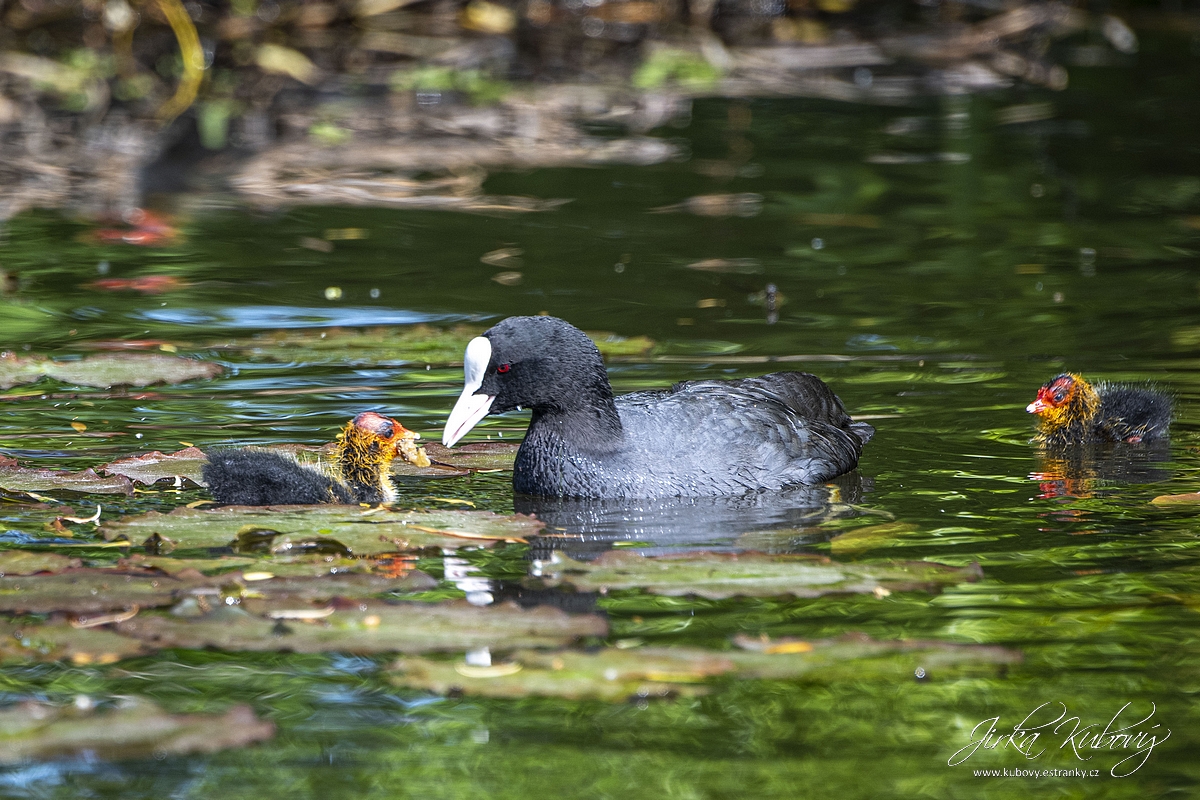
(1037, 407)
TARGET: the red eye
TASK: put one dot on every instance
(503, 368)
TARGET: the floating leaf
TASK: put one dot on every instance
(719, 575)
(475, 455)
(137, 728)
(610, 674)
(616, 674)
(23, 562)
(105, 370)
(412, 344)
(373, 627)
(364, 532)
(88, 591)
(62, 642)
(152, 467)
(15, 478)
(303, 566)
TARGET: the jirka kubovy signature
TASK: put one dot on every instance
(1117, 735)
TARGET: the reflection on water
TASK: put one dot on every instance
(714, 522)
(1084, 470)
(935, 295)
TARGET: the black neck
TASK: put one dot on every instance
(591, 427)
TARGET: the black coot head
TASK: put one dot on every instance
(526, 362)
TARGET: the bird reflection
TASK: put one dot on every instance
(592, 525)
(1083, 471)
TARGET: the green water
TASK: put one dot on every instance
(949, 261)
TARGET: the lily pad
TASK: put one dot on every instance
(82, 591)
(24, 562)
(60, 641)
(304, 566)
(616, 674)
(416, 344)
(362, 531)
(149, 468)
(610, 674)
(137, 728)
(720, 575)
(258, 595)
(15, 478)
(373, 627)
(105, 370)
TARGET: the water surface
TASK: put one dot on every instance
(934, 263)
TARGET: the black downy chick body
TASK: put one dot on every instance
(1072, 411)
(358, 472)
(696, 439)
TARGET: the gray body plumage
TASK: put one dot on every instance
(697, 439)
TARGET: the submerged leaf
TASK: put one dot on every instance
(364, 532)
(373, 627)
(136, 728)
(720, 575)
(870, 537)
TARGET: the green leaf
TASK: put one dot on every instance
(105, 370)
(136, 728)
(372, 627)
(720, 575)
(363, 531)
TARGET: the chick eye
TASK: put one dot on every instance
(503, 368)
(1058, 396)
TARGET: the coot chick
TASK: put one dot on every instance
(696, 439)
(1072, 411)
(358, 473)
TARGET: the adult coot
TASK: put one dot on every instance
(358, 473)
(1072, 411)
(698, 438)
